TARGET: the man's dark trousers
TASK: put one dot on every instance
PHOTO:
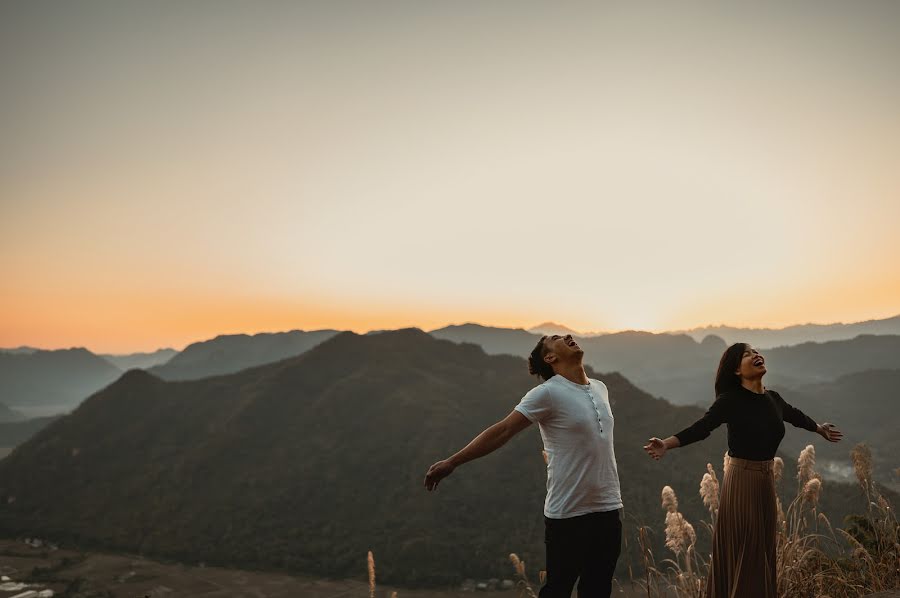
(583, 548)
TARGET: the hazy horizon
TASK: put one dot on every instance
(175, 171)
(181, 347)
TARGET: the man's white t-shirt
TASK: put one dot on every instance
(576, 424)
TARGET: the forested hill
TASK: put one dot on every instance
(309, 462)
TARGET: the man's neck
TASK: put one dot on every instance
(573, 372)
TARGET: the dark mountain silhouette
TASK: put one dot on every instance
(233, 352)
(140, 360)
(864, 406)
(550, 328)
(307, 463)
(19, 350)
(686, 375)
(682, 370)
(672, 366)
(9, 415)
(53, 378)
(767, 338)
(821, 362)
(15, 433)
(494, 341)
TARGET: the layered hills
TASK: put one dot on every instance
(13, 433)
(676, 366)
(50, 382)
(682, 370)
(9, 415)
(307, 463)
(864, 405)
(233, 352)
(767, 338)
(140, 360)
(763, 338)
(52, 378)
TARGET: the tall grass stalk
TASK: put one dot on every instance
(522, 582)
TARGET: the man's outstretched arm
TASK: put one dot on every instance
(486, 442)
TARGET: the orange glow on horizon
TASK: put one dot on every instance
(136, 324)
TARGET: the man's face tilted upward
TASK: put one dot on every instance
(562, 349)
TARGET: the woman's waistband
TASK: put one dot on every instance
(768, 465)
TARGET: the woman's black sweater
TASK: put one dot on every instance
(755, 423)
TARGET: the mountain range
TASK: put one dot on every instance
(19, 350)
(14, 433)
(762, 338)
(232, 352)
(50, 382)
(141, 361)
(863, 405)
(9, 415)
(767, 338)
(682, 370)
(307, 463)
(551, 328)
(52, 379)
(673, 366)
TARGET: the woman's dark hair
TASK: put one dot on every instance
(726, 379)
(536, 364)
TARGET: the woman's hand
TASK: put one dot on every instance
(829, 432)
(656, 448)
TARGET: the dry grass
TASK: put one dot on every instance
(522, 582)
(371, 567)
(814, 558)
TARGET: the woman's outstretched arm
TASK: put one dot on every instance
(714, 417)
(797, 418)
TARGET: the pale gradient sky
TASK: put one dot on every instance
(170, 171)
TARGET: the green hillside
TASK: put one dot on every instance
(307, 463)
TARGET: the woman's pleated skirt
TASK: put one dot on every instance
(743, 553)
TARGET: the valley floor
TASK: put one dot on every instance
(128, 576)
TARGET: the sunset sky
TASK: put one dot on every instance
(170, 171)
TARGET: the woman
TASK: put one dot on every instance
(743, 555)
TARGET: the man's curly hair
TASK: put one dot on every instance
(536, 364)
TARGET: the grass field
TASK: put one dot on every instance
(134, 577)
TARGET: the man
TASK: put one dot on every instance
(583, 531)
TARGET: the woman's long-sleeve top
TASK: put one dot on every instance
(755, 423)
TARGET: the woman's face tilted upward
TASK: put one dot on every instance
(753, 364)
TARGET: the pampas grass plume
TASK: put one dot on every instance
(811, 491)
(371, 562)
(669, 500)
(806, 464)
(862, 464)
(709, 489)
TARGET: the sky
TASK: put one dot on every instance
(170, 171)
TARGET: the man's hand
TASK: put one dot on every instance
(656, 448)
(438, 472)
(487, 442)
(829, 432)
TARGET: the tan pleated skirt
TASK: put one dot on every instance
(743, 554)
